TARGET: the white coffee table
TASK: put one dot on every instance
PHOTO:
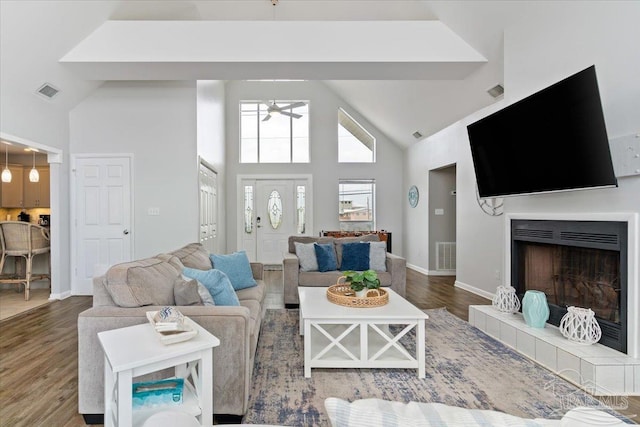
(337, 336)
(136, 350)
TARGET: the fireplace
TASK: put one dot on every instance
(575, 263)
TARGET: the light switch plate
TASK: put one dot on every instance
(153, 211)
(439, 212)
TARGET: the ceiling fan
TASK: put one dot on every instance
(274, 108)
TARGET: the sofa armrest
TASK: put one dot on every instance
(397, 266)
(232, 362)
(290, 271)
(257, 269)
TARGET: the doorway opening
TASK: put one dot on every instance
(38, 200)
(442, 221)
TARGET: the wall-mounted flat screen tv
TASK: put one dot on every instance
(553, 140)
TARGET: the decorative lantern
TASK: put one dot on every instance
(580, 325)
(505, 300)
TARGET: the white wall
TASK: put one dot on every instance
(572, 40)
(156, 121)
(324, 166)
(37, 121)
(550, 43)
(211, 144)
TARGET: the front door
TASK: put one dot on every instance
(275, 219)
(102, 218)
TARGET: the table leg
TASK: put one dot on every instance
(420, 348)
(364, 342)
(206, 387)
(108, 394)
(125, 398)
(300, 321)
(307, 348)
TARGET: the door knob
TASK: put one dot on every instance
(125, 232)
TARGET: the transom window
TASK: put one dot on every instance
(355, 144)
(357, 204)
(274, 131)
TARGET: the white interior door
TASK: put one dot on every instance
(208, 207)
(102, 217)
(275, 218)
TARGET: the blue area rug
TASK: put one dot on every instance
(465, 368)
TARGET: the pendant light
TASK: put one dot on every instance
(34, 175)
(6, 173)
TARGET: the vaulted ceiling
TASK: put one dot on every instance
(35, 35)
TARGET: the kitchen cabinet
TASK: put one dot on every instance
(13, 192)
(36, 194)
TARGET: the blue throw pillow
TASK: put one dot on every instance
(355, 256)
(237, 267)
(326, 256)
(217, 283)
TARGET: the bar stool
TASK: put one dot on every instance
(24, 240)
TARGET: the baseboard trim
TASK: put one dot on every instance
(432, 272)
(442, 272)
(60, 296)
(473, 290)
(418, 269)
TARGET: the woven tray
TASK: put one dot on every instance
(342, 294)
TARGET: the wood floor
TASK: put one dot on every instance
(38, 352)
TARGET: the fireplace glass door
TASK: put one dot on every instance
(573, 276)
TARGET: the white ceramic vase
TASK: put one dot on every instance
(505, 300)
(580, 325)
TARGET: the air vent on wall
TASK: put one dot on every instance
(608, 239)
(417, 134)
(532, 233)
(47, 91)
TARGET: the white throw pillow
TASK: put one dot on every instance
(204, 293)
(306, 253)
(378, 256)
(582, 417)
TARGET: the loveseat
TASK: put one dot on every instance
(294, 275)
(237, 327)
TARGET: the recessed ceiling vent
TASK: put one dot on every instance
(496, 91)
(417, 135)
(48, 91)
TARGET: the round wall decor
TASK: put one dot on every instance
(413, 196)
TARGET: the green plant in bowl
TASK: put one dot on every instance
(359, 280)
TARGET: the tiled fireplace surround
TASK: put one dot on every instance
(598, 369)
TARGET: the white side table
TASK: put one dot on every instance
(136, 350)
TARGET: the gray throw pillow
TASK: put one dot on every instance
(143, 282)
(194, 255)
(306, 253)
(185, 292)
(378, 256)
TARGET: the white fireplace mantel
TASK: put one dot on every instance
(633, 253)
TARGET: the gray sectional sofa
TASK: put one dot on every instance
(395, 275)
(237, 327)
